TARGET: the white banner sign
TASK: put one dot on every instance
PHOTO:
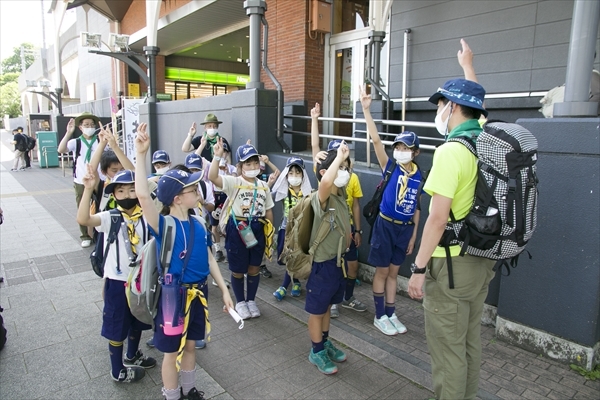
(131, 120)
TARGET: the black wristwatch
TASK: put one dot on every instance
(416, 270)
(359, 231)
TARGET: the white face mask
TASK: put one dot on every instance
(342, 179)
(402, 157)
(442, 126)
(211, 132)
(253, 173)
(162, 171)
(294, 180)
(89, 132)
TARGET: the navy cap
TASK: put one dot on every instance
(226, 147)
(410, 139)
(121, 178)
(334, 144)
(160, 156)
(173, 182)
(193, 161)
(246, 151)
(295, 161)
(463, 92)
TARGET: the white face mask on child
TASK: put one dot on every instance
(342, 179)
(162, 171)
(253, 173)
(294, 180)
(402, 157)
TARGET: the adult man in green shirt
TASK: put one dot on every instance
(452, 316)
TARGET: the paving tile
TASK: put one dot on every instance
(505, 384)
(508, 395)
(52, 266)
(16, 265)
(533, 386)
(45, 259)
(18, 273)
(542, 372)
(565, 390)
(520, 372)
(497, 371)
(362, 378)
(54, 274)
(21, 280)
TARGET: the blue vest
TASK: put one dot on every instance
(391, 206)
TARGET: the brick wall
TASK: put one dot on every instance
(135, 19)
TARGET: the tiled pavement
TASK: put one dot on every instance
(53, 308)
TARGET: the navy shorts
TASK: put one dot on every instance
(389, 243)
(325, 286)
(280, 242)
(352, 254)
(238, 256)
(220, 198)
(196, 325)
(116, 317)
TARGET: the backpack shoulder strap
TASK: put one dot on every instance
(166, 247)
(77, 148)
(203, 187)
(115, 224)
(469, 143)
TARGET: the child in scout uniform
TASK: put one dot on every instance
(249, 228)
(326, 283)
(395, 229)
(290, 187)
(206, 204)
(161, 163)
(117, 322)
(191, 263)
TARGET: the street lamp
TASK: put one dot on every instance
(91, 40)
(55, 97)
(119, 42)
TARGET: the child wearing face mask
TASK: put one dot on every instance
(161, 163)
(118, 324)
(249, 228)
(395, 230)
(290, 187)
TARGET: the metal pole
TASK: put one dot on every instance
(582, 46)
(256, 10)
(377, 40)
(404, 73)
(59, 100)
(151, 52)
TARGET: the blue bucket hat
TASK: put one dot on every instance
(193, 161)
(461, 91)
(121, 178)
(334, 145)
(173, 182)
(410, 139)
(160, 156)
(295, 161)
(245, 151)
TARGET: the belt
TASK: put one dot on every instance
(395, 221)
(198, 285)
(246, 219)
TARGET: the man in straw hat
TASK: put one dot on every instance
(207, 140)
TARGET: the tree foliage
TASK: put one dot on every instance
(10, 101)
(13, 62)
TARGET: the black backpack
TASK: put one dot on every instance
(2, 331)
(503, 216)
(30, 142)
(371, 209)
(98, 256)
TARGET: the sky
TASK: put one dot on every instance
(21, 21)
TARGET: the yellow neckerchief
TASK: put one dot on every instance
(269, 230)
(131, 220)
(404, 180)
(192, 293)
(291, 200)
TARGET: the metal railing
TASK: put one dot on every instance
(368, 140)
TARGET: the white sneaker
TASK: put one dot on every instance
(86, 243)
(385, 326)
(253, 308)
(242, 309)
(397, 324)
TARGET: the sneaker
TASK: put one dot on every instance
(130, 374)
(219, 256)
(193, 394)
(265, 272)
(296, 289)
(150, 342)
(139, 360)
(333, 352)
(254, 311)
(200, 344)
(354, 304)
(322, 361)
(242, 309)
(86, 243)
(280, 293)
(22, 169)
(217, 285)
(334, 311)
(397, 324)
(385, 326)
(14, 170)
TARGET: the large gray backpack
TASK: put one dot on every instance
(504, 213)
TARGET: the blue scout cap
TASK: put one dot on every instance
(410, 139)
(173, 182)
(121, 178)
(463, 92)
(193, 161)
(334, 145)
(246, 151)
(295, 161)
(160, 156)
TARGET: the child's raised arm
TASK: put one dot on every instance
(315, 141)
(112, 143)
(213, 173)
(90, 182)
(142, 144)
(365, 100)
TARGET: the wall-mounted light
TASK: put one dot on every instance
(118, 42)
(31, 83)
(240, 59)
(45, 84)
(91, 39)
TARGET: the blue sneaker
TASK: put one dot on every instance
(333, 352)
(322, 361)
(280, 293)
(150, 342)
(296, 289)
(200, 344)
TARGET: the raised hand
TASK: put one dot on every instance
(465, 55)
(343, 151)
(264, 158)
(321, 156)
(316, 111)
(90, 179)
(218, 148)
(142, 140)
(71, 126)
(192, 131)
(272, 178)
(365, 99)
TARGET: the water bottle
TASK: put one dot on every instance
(246, 234)
(171, 308)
